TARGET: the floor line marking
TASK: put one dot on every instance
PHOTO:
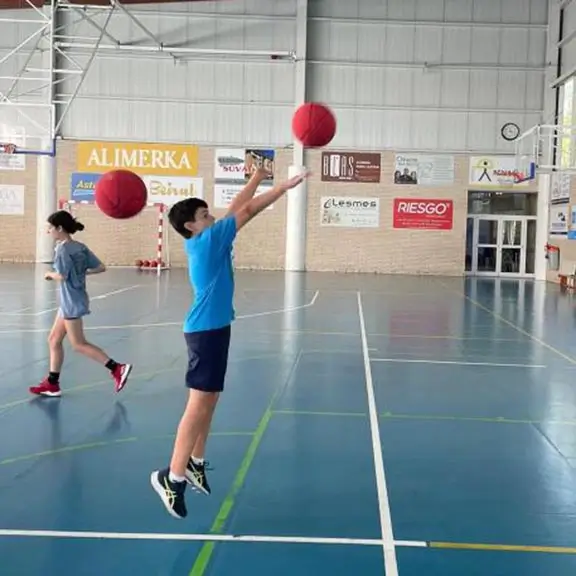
(203, 559)
(390, 562)
(456, 363)
(161, 324)
(439, 417)
(99, 297)
(152, 373)
(503, 547)
(518, 328)
(213, 538)
(105, 444)
(329, 541)
(313, 413)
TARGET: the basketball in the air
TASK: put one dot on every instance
(314, 125)
(120, 194)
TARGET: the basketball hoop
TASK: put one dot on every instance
(7, 148)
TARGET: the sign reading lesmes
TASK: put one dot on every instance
(423, 213)
(349, 212)
(142, 158)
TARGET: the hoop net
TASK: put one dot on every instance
(124, 243)
(546, 148)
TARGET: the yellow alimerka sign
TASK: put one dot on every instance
(142, 158)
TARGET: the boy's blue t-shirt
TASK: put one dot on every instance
(212, 277)
(72, 260)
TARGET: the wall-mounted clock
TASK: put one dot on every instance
(510, 131)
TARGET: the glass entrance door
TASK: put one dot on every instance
(500, 246)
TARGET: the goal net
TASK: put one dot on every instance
(140, 241)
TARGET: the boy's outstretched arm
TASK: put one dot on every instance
(247, 193)
(261, 202)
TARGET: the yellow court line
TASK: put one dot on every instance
(517, 328)
(502, 547)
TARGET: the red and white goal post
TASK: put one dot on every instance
(140, 242)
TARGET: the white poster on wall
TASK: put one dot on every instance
(559, 219)
(350, 212)
(11, 200)
(559, 188)
(171, 189)
(225, 193)
(493, 172)
(13, 135)
(424, 170)
(233, 168)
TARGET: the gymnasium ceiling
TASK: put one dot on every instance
(12, 4)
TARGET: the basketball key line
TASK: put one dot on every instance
(167, 324)
(251, 538)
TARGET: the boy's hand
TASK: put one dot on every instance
(295, 180)
(261, 173)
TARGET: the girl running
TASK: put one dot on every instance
(73, 261)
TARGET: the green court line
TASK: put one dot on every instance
(205, 554)
(103, 444)
(83, 387)
(312, 413)
(440, 417)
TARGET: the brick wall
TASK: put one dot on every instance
(567, 247)
(261, 245)
(18, 233)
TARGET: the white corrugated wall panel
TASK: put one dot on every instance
(419, 65)
(194, 99)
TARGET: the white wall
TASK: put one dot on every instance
(201, 99)
(400, 74)
(428, 74)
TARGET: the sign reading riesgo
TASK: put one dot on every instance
(423, 213)
(142, 158)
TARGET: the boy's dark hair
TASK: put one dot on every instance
(66, 221)
(185, 211)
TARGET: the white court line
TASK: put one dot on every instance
(164, 324)
(390, 563)
(85, 535)
(42, 312)
(456, 363)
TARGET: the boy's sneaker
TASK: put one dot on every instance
(196, 476)
(171, 493)
(45, 388)
(120, 375)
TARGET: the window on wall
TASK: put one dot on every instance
(505, 203)
(566, 144)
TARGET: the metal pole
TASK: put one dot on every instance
(88, 18)
(84, 73)
(297, 199)
(23, 43)
(24, 67)
(154, 39)
(178, 50)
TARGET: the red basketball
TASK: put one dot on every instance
(120, 194)
(314, 125)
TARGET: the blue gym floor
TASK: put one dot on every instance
(466, 388)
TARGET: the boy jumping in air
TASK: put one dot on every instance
(207, 327)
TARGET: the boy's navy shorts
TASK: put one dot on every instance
(207, 359)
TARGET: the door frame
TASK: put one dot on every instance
(499, 245)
